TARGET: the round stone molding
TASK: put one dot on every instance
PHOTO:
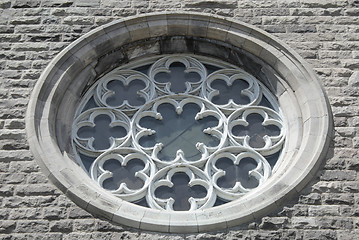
(58, 93)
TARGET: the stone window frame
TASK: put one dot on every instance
(300, 95)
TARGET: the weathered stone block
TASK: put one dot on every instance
(36, 190)
(304, 222)
(6, 190)
(104, 226)
(56, 3)
(320, 235)
(25, 213)
(84, 225)
(338, 175)
(78, 20)
(324, 210)
(312, 198)
(32, 226)
(26, 3)
(77, 213)
(338, 199)
(7, 226)
(273, 223)
(63, 226)
(51, 213)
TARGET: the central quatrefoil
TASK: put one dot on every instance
(179, 131)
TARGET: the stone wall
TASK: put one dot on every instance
(325, 33)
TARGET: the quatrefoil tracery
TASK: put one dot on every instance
(191, 65)
(230, 76)
(272, 142)
(87, 120)
(219, 134)
(196, 177)
(126, 79)
(179, 103)
(123, 156)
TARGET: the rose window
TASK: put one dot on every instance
(178, 133)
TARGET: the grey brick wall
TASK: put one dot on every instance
(324, 32)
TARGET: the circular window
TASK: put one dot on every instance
(178, 133)
(178, 122)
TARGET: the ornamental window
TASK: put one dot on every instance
(178, 133)
(179, 122)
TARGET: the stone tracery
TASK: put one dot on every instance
(203, 170)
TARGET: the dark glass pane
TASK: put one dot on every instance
(272, 159)
(181, 192)
(237, 173)
(230, 92)
(211, 68)
(86, 161)
(142, 203)
(255, 130)
(124, 174)
(179, 132)
(128, 93)
(90, 104)
(102, 132)
(219, 202)
(143, 69)
(265, 103)
(177, 77)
